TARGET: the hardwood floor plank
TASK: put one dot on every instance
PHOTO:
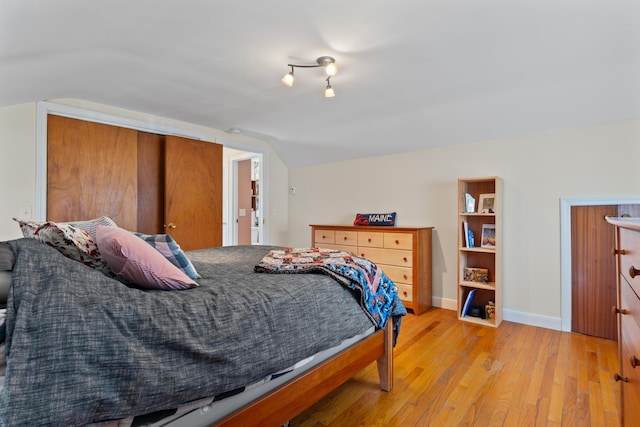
(453, 373)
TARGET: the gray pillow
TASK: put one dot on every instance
(91, 225)
(6, 257)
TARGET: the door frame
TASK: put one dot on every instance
(565, 244)
(231, 211)
(231, 192)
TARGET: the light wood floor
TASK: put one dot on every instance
(451, 373)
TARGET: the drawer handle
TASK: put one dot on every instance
(324, 237)
(405, 293)
(633, 272)
(619, 377)
(634, 361)
(405, 259)
(369, 240)
(617, 310)
(405, 276)
(397, 242)
(362, 255)
(615, 251)
(345, 238)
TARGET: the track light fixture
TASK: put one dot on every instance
(330, 68)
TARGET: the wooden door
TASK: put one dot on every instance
(91, 171)
(593, 269)
(193, 192)
(150, 183)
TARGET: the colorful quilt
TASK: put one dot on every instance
(378, 293)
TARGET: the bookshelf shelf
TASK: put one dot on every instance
(486, 253)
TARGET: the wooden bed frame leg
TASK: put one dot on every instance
(385, 362)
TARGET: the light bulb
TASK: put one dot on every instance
(328, 92)
(288, 79)
(331, 69)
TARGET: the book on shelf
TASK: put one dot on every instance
(465, 233)
(468, 235)
(467, 302)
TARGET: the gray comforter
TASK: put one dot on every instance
(84, 348)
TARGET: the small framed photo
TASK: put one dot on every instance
(487, 203)
(488, 236)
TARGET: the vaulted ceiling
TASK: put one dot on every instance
(412, 74)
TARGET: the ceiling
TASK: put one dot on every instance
(413, 74)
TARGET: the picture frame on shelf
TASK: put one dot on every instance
(488, 239)
(486, 203)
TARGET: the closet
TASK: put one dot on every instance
(145, 182)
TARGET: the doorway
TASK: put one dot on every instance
(244, 199)
(566, 242)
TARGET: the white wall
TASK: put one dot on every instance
(18, 162)
(17, 165)
(421, 186)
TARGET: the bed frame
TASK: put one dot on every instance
(284, 403)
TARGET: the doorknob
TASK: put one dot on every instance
(171, 226)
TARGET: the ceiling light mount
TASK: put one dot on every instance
(329, 65)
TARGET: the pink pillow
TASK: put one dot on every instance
(138, 262)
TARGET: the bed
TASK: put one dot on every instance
(83, 348)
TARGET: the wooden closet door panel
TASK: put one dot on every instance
(593, 272)
(91, 171)
(193, 192)
(150, 183)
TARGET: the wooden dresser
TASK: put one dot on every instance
(403, 253)
(627, 251)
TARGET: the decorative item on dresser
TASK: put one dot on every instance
(403, 253)
(479, 269)
(627, 251)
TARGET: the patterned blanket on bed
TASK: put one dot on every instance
(378, 294)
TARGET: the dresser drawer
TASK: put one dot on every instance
(405, 292)
(370, 239)
(630, 260)
(629, 324)
(324, 236)
(398, 241)
(387, 256)
(398, 274)
(344, 248)
(349, 238)
(630, 351)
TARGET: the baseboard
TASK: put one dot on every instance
(530, 319)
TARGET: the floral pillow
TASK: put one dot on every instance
(70, 241)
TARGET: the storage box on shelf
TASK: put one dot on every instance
(485, 253)
(403, 253)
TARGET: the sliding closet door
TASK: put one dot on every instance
(150, 183)
(91, 171)
(193, 192)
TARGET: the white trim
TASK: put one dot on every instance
(508, 315)
(565, 244)
(531, 319)
(447, 304)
